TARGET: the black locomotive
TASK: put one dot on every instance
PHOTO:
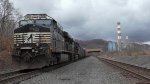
(40, 41)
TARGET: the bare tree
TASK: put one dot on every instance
(9, 17)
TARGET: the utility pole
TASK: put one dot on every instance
(119, 36)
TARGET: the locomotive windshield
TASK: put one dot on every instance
(25, 22)
(42, 22)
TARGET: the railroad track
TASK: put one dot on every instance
(18, 76)
(138, 72)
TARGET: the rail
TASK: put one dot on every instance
(140, 72)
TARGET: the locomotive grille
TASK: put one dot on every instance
(32, 37)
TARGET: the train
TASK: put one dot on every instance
(40, 41)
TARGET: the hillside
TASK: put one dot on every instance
(94, 43)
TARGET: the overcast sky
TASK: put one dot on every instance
(93, 19)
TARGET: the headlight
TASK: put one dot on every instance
(17, 44)
(33, 50)
(37, 44)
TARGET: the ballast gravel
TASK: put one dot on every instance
(87, 71)
(141, 61)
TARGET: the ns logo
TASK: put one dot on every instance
(28, 38)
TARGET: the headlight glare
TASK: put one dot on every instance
(17, 44)
(37, 44)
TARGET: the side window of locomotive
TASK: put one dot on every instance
(55, 27)
(59, 28)
(43, 22)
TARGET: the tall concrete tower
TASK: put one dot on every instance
(119, 36)
(127, 42)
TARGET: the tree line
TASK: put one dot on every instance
(9, 16)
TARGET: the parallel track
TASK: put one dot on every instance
(139, 72)
(18, 76)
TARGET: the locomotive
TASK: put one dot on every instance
(40, 41)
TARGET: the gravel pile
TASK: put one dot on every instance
(86, 71)
(142, 61)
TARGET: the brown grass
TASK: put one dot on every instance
(7, 46)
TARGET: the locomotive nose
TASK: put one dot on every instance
(26, 56)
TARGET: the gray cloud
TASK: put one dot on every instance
(88, 19)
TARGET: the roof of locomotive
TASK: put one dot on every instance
(37, 16)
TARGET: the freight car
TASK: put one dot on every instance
(40, 41)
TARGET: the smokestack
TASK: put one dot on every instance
(127, 42)
(119, 36)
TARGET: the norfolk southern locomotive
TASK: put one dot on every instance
(40, 41)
